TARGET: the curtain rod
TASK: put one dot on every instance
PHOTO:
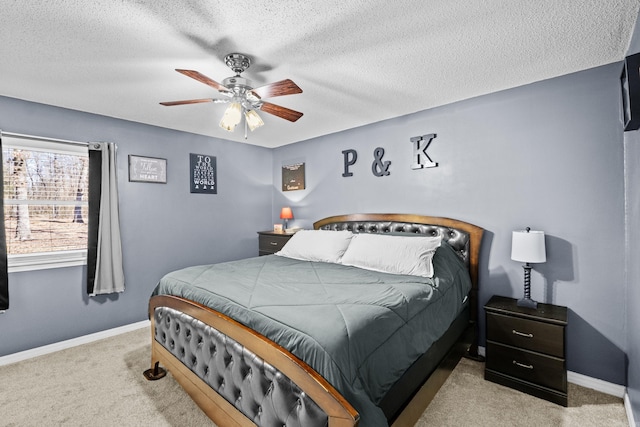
(42, 138)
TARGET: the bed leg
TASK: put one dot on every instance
(155, 373)
(472, 351)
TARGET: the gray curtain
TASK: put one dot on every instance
(104, 253)
(4, 275)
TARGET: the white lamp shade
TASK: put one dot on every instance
(528, 246)
(231, 117)
(253, 120)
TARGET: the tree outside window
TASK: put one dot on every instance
(45, 190)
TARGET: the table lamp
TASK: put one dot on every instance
(286, 214)
(528, 246)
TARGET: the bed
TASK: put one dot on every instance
(240, 337)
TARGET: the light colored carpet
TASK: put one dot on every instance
(101, 384)
(466, 399)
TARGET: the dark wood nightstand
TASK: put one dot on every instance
(270, 242)
(526, 348)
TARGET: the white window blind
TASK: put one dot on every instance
(45, 200)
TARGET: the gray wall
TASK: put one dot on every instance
(632, 194)
(164, 227)
(548, 155)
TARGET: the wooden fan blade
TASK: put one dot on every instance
(282, 112)
(203, 79)
(283, 87)
(188, 101)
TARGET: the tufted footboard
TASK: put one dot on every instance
(221, 364)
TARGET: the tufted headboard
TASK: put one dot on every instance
(465, 238)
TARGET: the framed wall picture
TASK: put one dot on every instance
(204, 174)
(147, 169)
(293, 177)
(630, 85)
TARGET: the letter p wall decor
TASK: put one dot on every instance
(420, 157)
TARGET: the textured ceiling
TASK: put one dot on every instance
(358, 62)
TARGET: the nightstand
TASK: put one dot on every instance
(526, 348)
(270, 242)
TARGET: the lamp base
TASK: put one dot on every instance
(527, 302)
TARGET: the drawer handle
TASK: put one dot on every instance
(522, 334)
(522, 365)
(273, 243)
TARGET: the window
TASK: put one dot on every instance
(45, 202)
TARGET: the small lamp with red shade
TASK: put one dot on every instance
(286, 214)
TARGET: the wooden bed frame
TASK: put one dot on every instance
(338, 411)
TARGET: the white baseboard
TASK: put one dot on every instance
(588, 382)
(62, 345)
(482, 351)
(596, 384)
(627, 407)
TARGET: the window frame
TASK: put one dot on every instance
(44, 260)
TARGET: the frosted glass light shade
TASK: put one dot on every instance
(253, 120)
(231, 117)
(528, 246)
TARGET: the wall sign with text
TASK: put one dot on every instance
(293, 177)
(203, 172)
(147, 169)
(381, 167)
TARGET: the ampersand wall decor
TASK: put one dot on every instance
(378, 167)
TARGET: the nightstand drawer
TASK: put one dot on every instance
(272, 243)
(543, 370)
(527, 334)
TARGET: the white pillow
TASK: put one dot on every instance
(317, 245)
(392, 254)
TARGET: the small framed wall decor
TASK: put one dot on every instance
(147, 169)
(204, 174)
(293, 177)
(630, 84)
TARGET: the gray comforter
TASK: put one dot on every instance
(359, 329)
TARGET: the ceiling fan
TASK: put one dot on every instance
(243, 99)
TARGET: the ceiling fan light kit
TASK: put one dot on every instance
(242, 98)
